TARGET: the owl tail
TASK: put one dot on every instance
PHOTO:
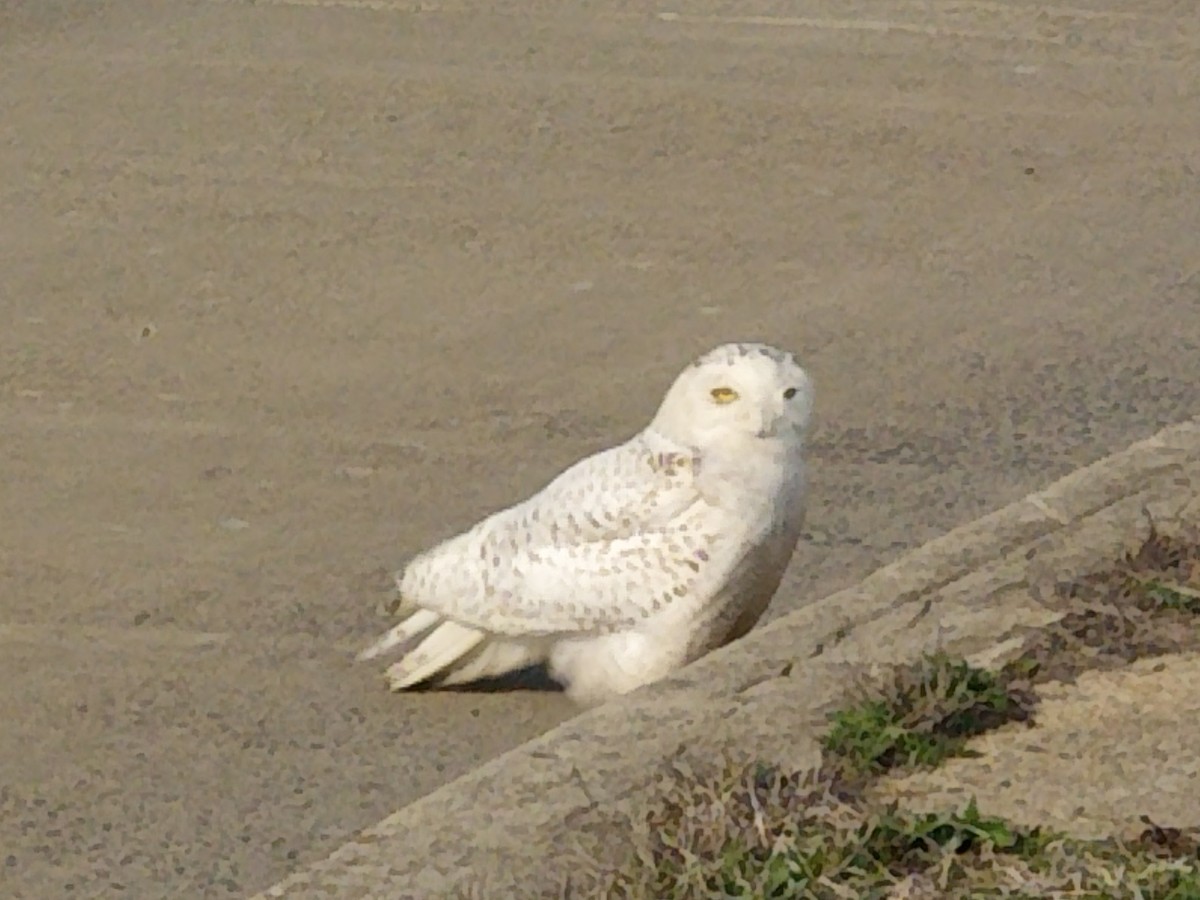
(448, 651)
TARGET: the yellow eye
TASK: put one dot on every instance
(724, 395)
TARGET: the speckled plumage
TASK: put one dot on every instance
(634, 561)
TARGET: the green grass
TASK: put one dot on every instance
(760, 834)
(1161, 594)
(928, 714)
(1164, 573)
(756, 834)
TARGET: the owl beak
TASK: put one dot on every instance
(768, 429)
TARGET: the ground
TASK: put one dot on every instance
(291, 290)
(1062, 769)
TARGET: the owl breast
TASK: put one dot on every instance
(755, 578)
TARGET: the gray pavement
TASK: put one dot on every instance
(289, 291)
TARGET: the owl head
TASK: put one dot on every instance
(738, 392)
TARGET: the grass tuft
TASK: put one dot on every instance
(926, 715)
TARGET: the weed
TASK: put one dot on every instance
(926, 715)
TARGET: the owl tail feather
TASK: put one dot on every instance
(419, 622)
(449, 652)
(443, 647)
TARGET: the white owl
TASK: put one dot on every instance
(634, 561)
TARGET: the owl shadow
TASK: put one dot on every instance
(531, 678)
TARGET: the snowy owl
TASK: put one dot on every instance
(634, 561)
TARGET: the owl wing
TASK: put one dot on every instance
(606, 544)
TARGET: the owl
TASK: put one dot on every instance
(634, 561)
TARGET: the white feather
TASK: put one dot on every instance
(414, 626)
(634, 561)
(444, 646)
(492, 659)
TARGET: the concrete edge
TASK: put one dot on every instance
(507, 813)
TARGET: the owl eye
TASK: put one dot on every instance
(724, 395)
(789, 393)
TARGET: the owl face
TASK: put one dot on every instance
(738, 392)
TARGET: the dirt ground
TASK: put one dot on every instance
(290, 290)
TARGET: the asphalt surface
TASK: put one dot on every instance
(289, 291)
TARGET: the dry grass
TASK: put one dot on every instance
(756, 832)
(759, 833)
(1145, 605)
(926, 713)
